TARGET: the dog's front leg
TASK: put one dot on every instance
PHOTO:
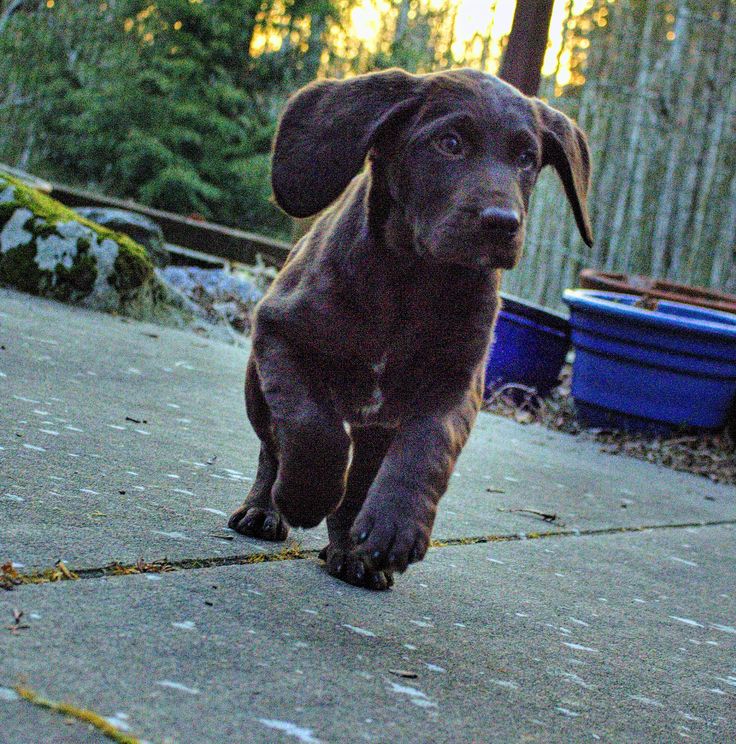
(312, 446)
(369, 449)
(394, 526)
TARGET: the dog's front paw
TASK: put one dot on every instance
(254, 521)
(388, 541)
(346, 565)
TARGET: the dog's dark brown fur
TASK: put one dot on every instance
(368, 349)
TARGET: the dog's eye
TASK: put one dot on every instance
(527, 159)
(450, 144)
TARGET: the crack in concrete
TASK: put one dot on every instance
(294, 552)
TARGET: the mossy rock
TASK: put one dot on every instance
(47, 249)
(140, 228)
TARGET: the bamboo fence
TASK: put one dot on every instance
(655, 89)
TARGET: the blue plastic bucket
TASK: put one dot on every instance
(529, 347)
(651, 370)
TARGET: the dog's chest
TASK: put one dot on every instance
(371, 409)
(360, 395)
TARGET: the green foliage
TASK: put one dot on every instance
(250, 199)
(158, 102)
(180, 188)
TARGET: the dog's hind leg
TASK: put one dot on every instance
(257, 517)
(369, 448)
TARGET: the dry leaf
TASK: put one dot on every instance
(404, 673)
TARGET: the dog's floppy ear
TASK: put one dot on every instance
(326, 131)
(565, 147)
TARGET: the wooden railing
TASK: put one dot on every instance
(206, 237)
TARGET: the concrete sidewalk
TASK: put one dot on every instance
(121, 441)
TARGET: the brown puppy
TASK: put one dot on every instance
(368, 349)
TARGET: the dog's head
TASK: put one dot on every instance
(454, 156)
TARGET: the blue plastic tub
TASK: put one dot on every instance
(652, 371)
(529, 347)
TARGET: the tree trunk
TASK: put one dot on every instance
(402, 22)
(522, 61)
(315, 46)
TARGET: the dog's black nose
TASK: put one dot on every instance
(502, 219)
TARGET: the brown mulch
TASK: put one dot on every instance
(712, 456)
